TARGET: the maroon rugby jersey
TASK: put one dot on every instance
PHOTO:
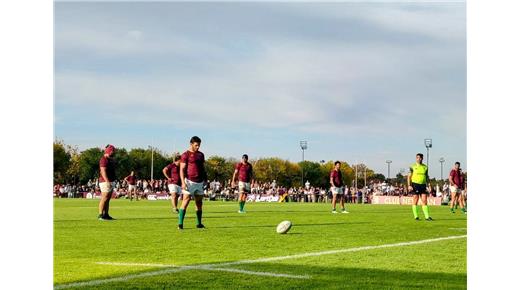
(194, 170)
(337, 179)
(457, 178)
(173, 172)
(110, 169)
(130, 179)
(245, 171)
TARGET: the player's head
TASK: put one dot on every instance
(457, 165)
(109, 150)
(176, 157)
(337, 165)
(419, 157)
(195, 143)
(245, 158)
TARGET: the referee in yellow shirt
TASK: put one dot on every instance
(417, 182)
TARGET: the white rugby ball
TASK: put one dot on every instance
(283, 227)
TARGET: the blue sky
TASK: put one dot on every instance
(361, 82)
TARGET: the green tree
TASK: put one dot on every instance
(220, 169)
(378, 177)
(61, 162)
(124, 164)
(89, 164)
(73, 170)
(311, 172)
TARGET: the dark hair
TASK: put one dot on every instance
(245, 156)
(195, 139)
(337, 162)
(420, 154)
(176, 157)
(457, 163)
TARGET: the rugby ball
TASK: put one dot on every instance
(283, 227)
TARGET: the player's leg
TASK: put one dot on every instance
(107, 204)
(415, 200)
(101, 207)
(241, 201)
(342, 201)
(173, 196)
(199, 194)
(425, 208)
(334, 193)
(454, 199)
(186, 197)
(462, 203)
(175, 199)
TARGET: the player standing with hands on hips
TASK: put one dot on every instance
(193, 177)
(417, 181)
(172, 174)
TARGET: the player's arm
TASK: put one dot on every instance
(181, 173)
(427, 177)
(104, 173)
(409, 180)
(204, 173)
(331, 180)
(165, 173)
(451, 180)
(233, 178)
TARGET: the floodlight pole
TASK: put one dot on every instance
(151, 167)
(428, 144)
(441, 160)
(303, 146)
(388, 162)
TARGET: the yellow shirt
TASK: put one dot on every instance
(419, 173)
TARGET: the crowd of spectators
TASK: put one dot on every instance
(269, 191)
(214, 191)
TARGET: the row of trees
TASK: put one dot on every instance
(75, 167)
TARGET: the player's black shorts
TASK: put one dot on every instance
(419, 188)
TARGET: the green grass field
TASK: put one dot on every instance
(143, 249)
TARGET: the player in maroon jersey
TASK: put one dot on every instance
(457, 186)
(172, 173)
(336, 186)
(131, 180)
(107, 177)
(245, 176)
(193, 177)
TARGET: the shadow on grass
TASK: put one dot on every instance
(320, 277)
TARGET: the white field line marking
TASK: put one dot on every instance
(257, 273)
(304, 255)
(205, 266)
(137, 264)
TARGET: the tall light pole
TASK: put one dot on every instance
(365, 171)
(151, 167)
(356, 178)
(388, 162)
(303, 145)
(428, 144)
(441, 160)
